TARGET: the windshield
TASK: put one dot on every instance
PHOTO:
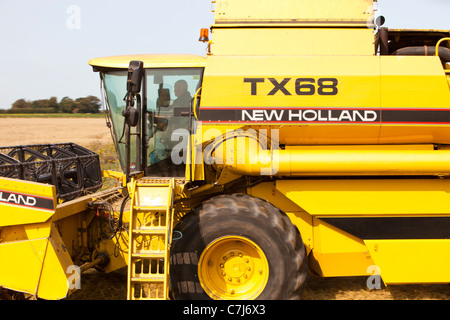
(166, 101)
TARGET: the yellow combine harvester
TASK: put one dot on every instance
(308, 139)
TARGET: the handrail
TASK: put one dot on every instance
(194, 107)
(438, 44)
(437, 50)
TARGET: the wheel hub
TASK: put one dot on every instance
(233, 268)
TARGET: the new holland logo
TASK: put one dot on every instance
(291, 115)
(18, 199)
(311, 115)
(25, 200)
(325, 115)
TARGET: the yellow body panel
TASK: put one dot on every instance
(315, 42)
(23, 202)
(224, 85)
(337, 253)
(413, 82)
(411, 261)
(298, 216)
(34, 260)
(369, 197)
(21, 271)
(294, 12)
(54, 281)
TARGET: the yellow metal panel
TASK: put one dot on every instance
(36, 266)
(23, 202)
(413, 82)
(53, 282)
(319, 41)
(315, 134)
(411, 261)
(301, 219)
(337, 253)
(415, 133)
(293, 11)
(369, 197)
(21, 264)
(37, 230)
(224, 85)
(410, 83)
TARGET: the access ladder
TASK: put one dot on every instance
(151, 224)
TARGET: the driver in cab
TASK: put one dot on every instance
(163, 141)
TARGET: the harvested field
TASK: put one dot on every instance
(93, 133)
(83, 131)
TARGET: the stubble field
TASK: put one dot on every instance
(24, 131)
(92, 133)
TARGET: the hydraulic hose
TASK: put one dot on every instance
(444, 53)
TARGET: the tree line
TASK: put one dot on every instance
(89, 104)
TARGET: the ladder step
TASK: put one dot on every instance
(150, 224)
(152, 185)
(151, 208)
(153, 278)
(148, 255)
(150, 231)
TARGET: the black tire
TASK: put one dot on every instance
(244, 216)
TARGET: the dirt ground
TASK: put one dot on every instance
(101, 286)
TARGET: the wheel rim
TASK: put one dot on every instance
(232, 268)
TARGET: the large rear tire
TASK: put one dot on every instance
(237, 247)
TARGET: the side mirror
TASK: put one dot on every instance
(135, 74)
(131, 116)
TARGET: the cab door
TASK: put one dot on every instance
(168, 96)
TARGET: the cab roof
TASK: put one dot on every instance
(150, 61)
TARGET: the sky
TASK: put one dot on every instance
(46, 44)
